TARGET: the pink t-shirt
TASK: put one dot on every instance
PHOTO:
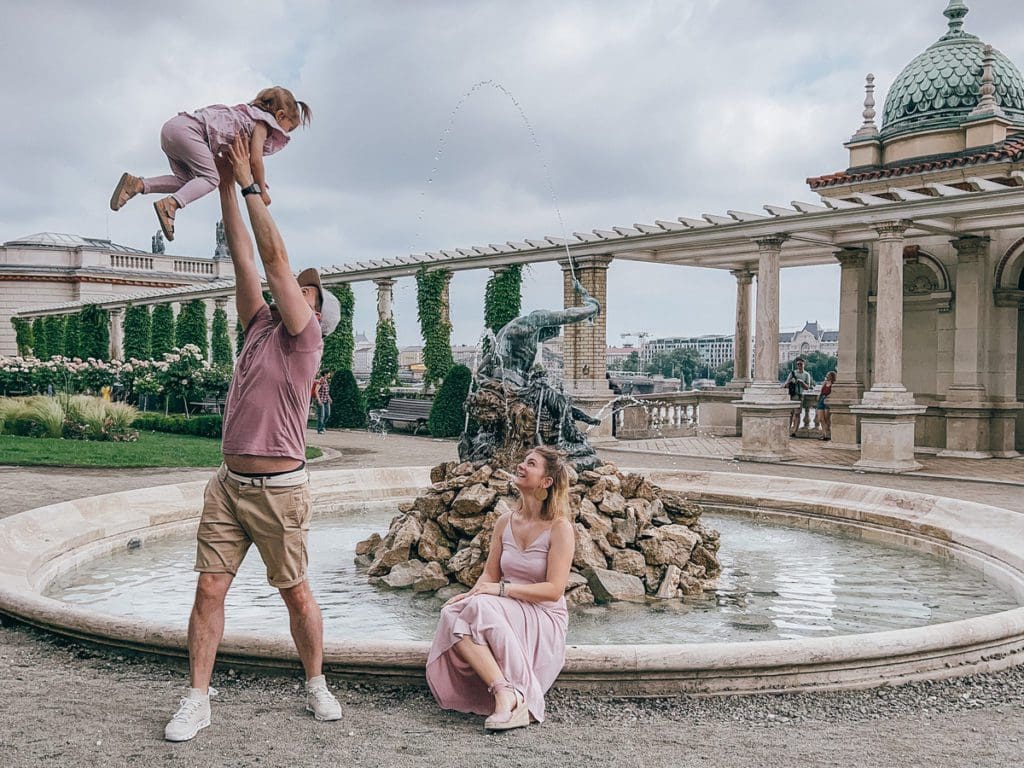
(223, 123)
(268, 400)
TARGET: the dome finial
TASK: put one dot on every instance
(987, 104)
(868, 129)
(955, 12)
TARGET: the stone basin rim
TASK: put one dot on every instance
(972, 533)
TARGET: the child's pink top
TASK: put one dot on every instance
(223, 123)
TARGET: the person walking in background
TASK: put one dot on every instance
(323, 399)
(824, 413)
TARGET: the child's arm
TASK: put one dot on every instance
(259, 174)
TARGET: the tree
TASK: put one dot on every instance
(632, 363)
(190, 327)
(724, 373)
(220, 343)
(339, 346)
(39, 348)
(54, 327)
(684, 362)
(137, 331)
(73, 335)
(239, 337)
(347, 408)
(448, 415)
(94, 332)
(818, 364)
(384, 369)
(162, 331)
(435, 327)
(22, 335)
(503, 297)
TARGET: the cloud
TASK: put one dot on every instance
(641, 110)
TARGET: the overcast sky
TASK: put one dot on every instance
(642, 110)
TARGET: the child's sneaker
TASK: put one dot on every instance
(320, 701)
(192, 716)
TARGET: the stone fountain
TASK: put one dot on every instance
(634, 540)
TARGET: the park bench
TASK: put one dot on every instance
(404, 410)
(208, 405)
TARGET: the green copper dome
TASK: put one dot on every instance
(940, 87)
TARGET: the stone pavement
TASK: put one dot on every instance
(815, 453)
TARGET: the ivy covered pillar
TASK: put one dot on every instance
(585, 345)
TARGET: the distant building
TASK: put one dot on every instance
(615, 357)
(51, 268)
(811, 338)
(714, 349)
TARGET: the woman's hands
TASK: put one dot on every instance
(481, 588)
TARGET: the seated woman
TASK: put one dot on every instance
(500, 646)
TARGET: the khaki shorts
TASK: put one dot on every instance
(235, 516)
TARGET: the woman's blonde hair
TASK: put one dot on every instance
(277, 98)
(557, 502)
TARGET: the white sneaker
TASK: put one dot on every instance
(320, 701)
(192, 716)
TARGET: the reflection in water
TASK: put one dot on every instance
(777, 583)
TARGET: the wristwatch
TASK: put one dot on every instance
(252, 189)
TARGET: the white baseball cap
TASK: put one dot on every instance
(330, 308)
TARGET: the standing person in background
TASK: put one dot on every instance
(798, 382)
(823, 411)
(323, 400)
(260, 495)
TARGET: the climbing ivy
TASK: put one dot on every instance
(447, 415)
(384, 370)
(94, 332)
(22, 335)
(54, 327)
(162, 331)
(339, 346)
(190, 327)
(39, 348)
(137, 330)
(503, 297)
(220, 342)
(435, 328)
(72, 345)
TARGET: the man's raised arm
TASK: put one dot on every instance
(291, 305)
(248, 285)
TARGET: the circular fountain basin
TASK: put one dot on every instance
(85, 551)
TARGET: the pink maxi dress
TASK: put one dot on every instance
(527, 639)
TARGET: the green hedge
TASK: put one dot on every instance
(348, 408)
(448, 415)
(208, 425)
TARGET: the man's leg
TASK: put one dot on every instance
(206, 626)
(307, 627)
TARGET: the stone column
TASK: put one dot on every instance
(852, 353)
(887, 410)
(765, 407)
(969, 414)
(585, 345)
(741, 341)
(117, 333)
(446, 299)
(385, 294)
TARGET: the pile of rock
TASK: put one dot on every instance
(633, 539)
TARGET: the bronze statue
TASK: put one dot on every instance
(515, 404)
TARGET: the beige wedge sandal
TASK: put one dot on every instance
(519, 717)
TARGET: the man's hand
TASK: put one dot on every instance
(238, 155)
(227, 173)
(265, 197)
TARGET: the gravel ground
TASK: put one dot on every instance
(67, 705)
